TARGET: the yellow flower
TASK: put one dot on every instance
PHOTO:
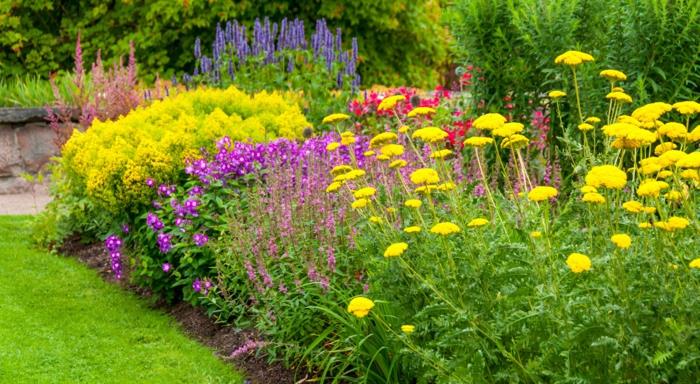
(445, 228)
(613, 75)
(413, 203)
(664, 174)
(651, 187)
(674, 195)
(687, 107)
(376, 219)
(403, 129)
(412, 229)
(649, 113)
(633, 206)
(542, 193)
(398, 163)
(535, 234)
(359, 203)
(644, 225)
(649, 210)
(368, 153)
(628, 120)
(425, 189)
(447, 186)
(676, 222)
(664, 147)
(672, 157)
(333, 187)
(364, 192)
(340, 169)
(420, 111)
(408, 329)
(593, 198)
(588, 189)
(690, 174)
(489, 121)
(585, 127)
(508, 129)
(515, 141)
(556, 94)
(606, 176)
(332, 146)
(391, 210)
(695, 263)
(382, 138)
(649, 165)
(621, 240)
(694, 135)
(592, 120)
(619, 97)
(392, 150)
(360, 306)
(441, 154)
(573, 58)
(478, 222)
(478, 141)
(383, 157)
(396, 249)
(352, 175)
(425, 176)
(430, 134)
(673, 130)
(347, 140)
(578, 262)
(335, 117)
(390, 102)
(689, 161)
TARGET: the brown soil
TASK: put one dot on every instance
(224, 340)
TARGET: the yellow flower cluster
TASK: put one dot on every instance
(112, 159)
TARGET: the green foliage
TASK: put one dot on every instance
(61, 316)
(515, 41)
(401, 41)
(33, 91)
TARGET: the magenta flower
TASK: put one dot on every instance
(200, 239)
(167, 267)
(197, 285)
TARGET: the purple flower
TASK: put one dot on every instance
(150, 182)
(200, 239)
(113, 245)
(197, 285)
(164, 242)
(154, 222)
(166, 267)
(207, 286)
(125, 228)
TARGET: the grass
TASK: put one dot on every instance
(60, 323)
(33, 91)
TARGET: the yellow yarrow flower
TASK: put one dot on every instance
(592, 120)
(674, 195)
(508, 129)
(396, 249)
(651, 188)
(664, 174)
(556, 94)
(621, 240)
(445, 228)
(381, 139)
(364, 192)
(578, 262)
(403, 129)
(687, 107)
(585, 127)
(478, 222)
(606, 176)
(478, 141)
(690, 174)
(633, 206)
(573, 58)
(620, 97)
(689, 161)
(515, 141)
(390, 102)
(421, 111)
(644, 225)
(613, 75)
(398, 163)
(360, 306)
(441, 154)
(672, 157)
(368, 153)
(333, 187)
(412, 229)
(593, 198)
(425, 176)
(489, 121)
(695, 263)
(359, 203)
(376, 219)
(664, 147)
(588, 189)
(392, 150)
(413, 203)
(649, 113)
(332, 146)
(535, 234)
(408, 328)
(334, 118)
(542, 193)
(340, 170)
(673, 130)
(430, 134)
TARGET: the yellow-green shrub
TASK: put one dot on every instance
(110, 162)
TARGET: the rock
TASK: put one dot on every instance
(13, 185)
(9, 153)
(36, 142)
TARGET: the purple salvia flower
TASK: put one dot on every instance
(200, 239)
(197, 285)
(164, 242)
(154, 222)
(166, 267)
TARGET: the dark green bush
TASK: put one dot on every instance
(656, 42)
(400, 41)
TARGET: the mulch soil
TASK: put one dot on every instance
(224, 340)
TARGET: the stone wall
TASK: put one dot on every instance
(27, 143)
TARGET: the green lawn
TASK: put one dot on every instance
(60, 323)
